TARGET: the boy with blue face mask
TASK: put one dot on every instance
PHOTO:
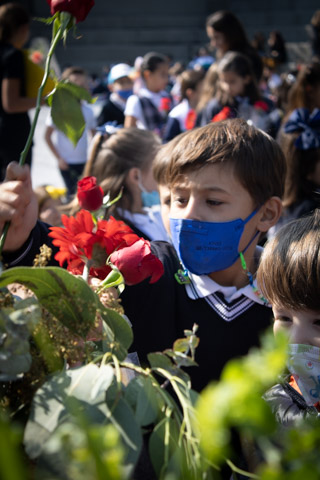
(289, 274)
(121, 87)
(226, 181)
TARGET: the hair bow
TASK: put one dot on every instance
(301, 120)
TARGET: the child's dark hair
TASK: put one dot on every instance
(289, 270)
(12, 16)
(241, 65)
(151, 61)
(190, 79)
(300, 165)
(301, 94)
(74, 70)
(256, 158)
(228, 24)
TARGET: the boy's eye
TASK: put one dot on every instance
(180, 200)
(214, 202)
(282, 318)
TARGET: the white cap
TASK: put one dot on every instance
(119, 71)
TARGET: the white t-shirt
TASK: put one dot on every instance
(180, 113)
(133, 106)
(70, 153)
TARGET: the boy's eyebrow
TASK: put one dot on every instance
(201, 187)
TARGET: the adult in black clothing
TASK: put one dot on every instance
(226, 33)
(121, 87)
(14, 105)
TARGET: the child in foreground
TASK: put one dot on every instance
(289, 276)
(226, 181)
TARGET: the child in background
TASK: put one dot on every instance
(123, 163)
(238, 95)
(183, 116)
(49, 201)
(159, 169)
(289, 276)
(300, 142)
(71, 159)
(226, 180)
(120, 84)
(305, 91)
(150, 107)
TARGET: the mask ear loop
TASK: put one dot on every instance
(249, 275)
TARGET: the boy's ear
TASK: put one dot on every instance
(269, 214)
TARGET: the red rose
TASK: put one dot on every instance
(90, 195)
(136, 263)
(79, 9)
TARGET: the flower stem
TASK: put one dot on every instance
(65, 19)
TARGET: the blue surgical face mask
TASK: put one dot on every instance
(207, 247)
(125, 94)
(149, 199)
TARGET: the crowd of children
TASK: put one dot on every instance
(226, 161)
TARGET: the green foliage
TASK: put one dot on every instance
(236, 401)
(11, 465)
(66, 112)
(16, 322)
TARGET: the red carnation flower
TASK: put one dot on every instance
(81, 240)
(222, 115)
(89, 194)
(261, 105)
(136, 263)
(79, 9)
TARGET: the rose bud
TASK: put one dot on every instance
(136, 263)
(89, 194)
(79, 9)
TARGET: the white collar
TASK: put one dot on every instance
(202, 286)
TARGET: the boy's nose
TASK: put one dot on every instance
(192, 211)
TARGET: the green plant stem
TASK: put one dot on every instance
(65, 19)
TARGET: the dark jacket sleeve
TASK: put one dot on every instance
(26, 254)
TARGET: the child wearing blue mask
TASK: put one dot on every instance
(289, 275)
(226, 181)
(120, 85)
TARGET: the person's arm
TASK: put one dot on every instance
(130, 121)
(48, 138)
(12, 101)
(18, 205)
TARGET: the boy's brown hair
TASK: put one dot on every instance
(289, 270)
(161, 161)
(256, 158)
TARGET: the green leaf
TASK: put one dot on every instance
(68, 298)
(122, 417)
(121, 338)
(11, 466)
(163, 443)
(78, 92)
(159, 360)
(143, 399)
(54, 402)
(67, 114)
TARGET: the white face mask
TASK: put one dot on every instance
(304, 365)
